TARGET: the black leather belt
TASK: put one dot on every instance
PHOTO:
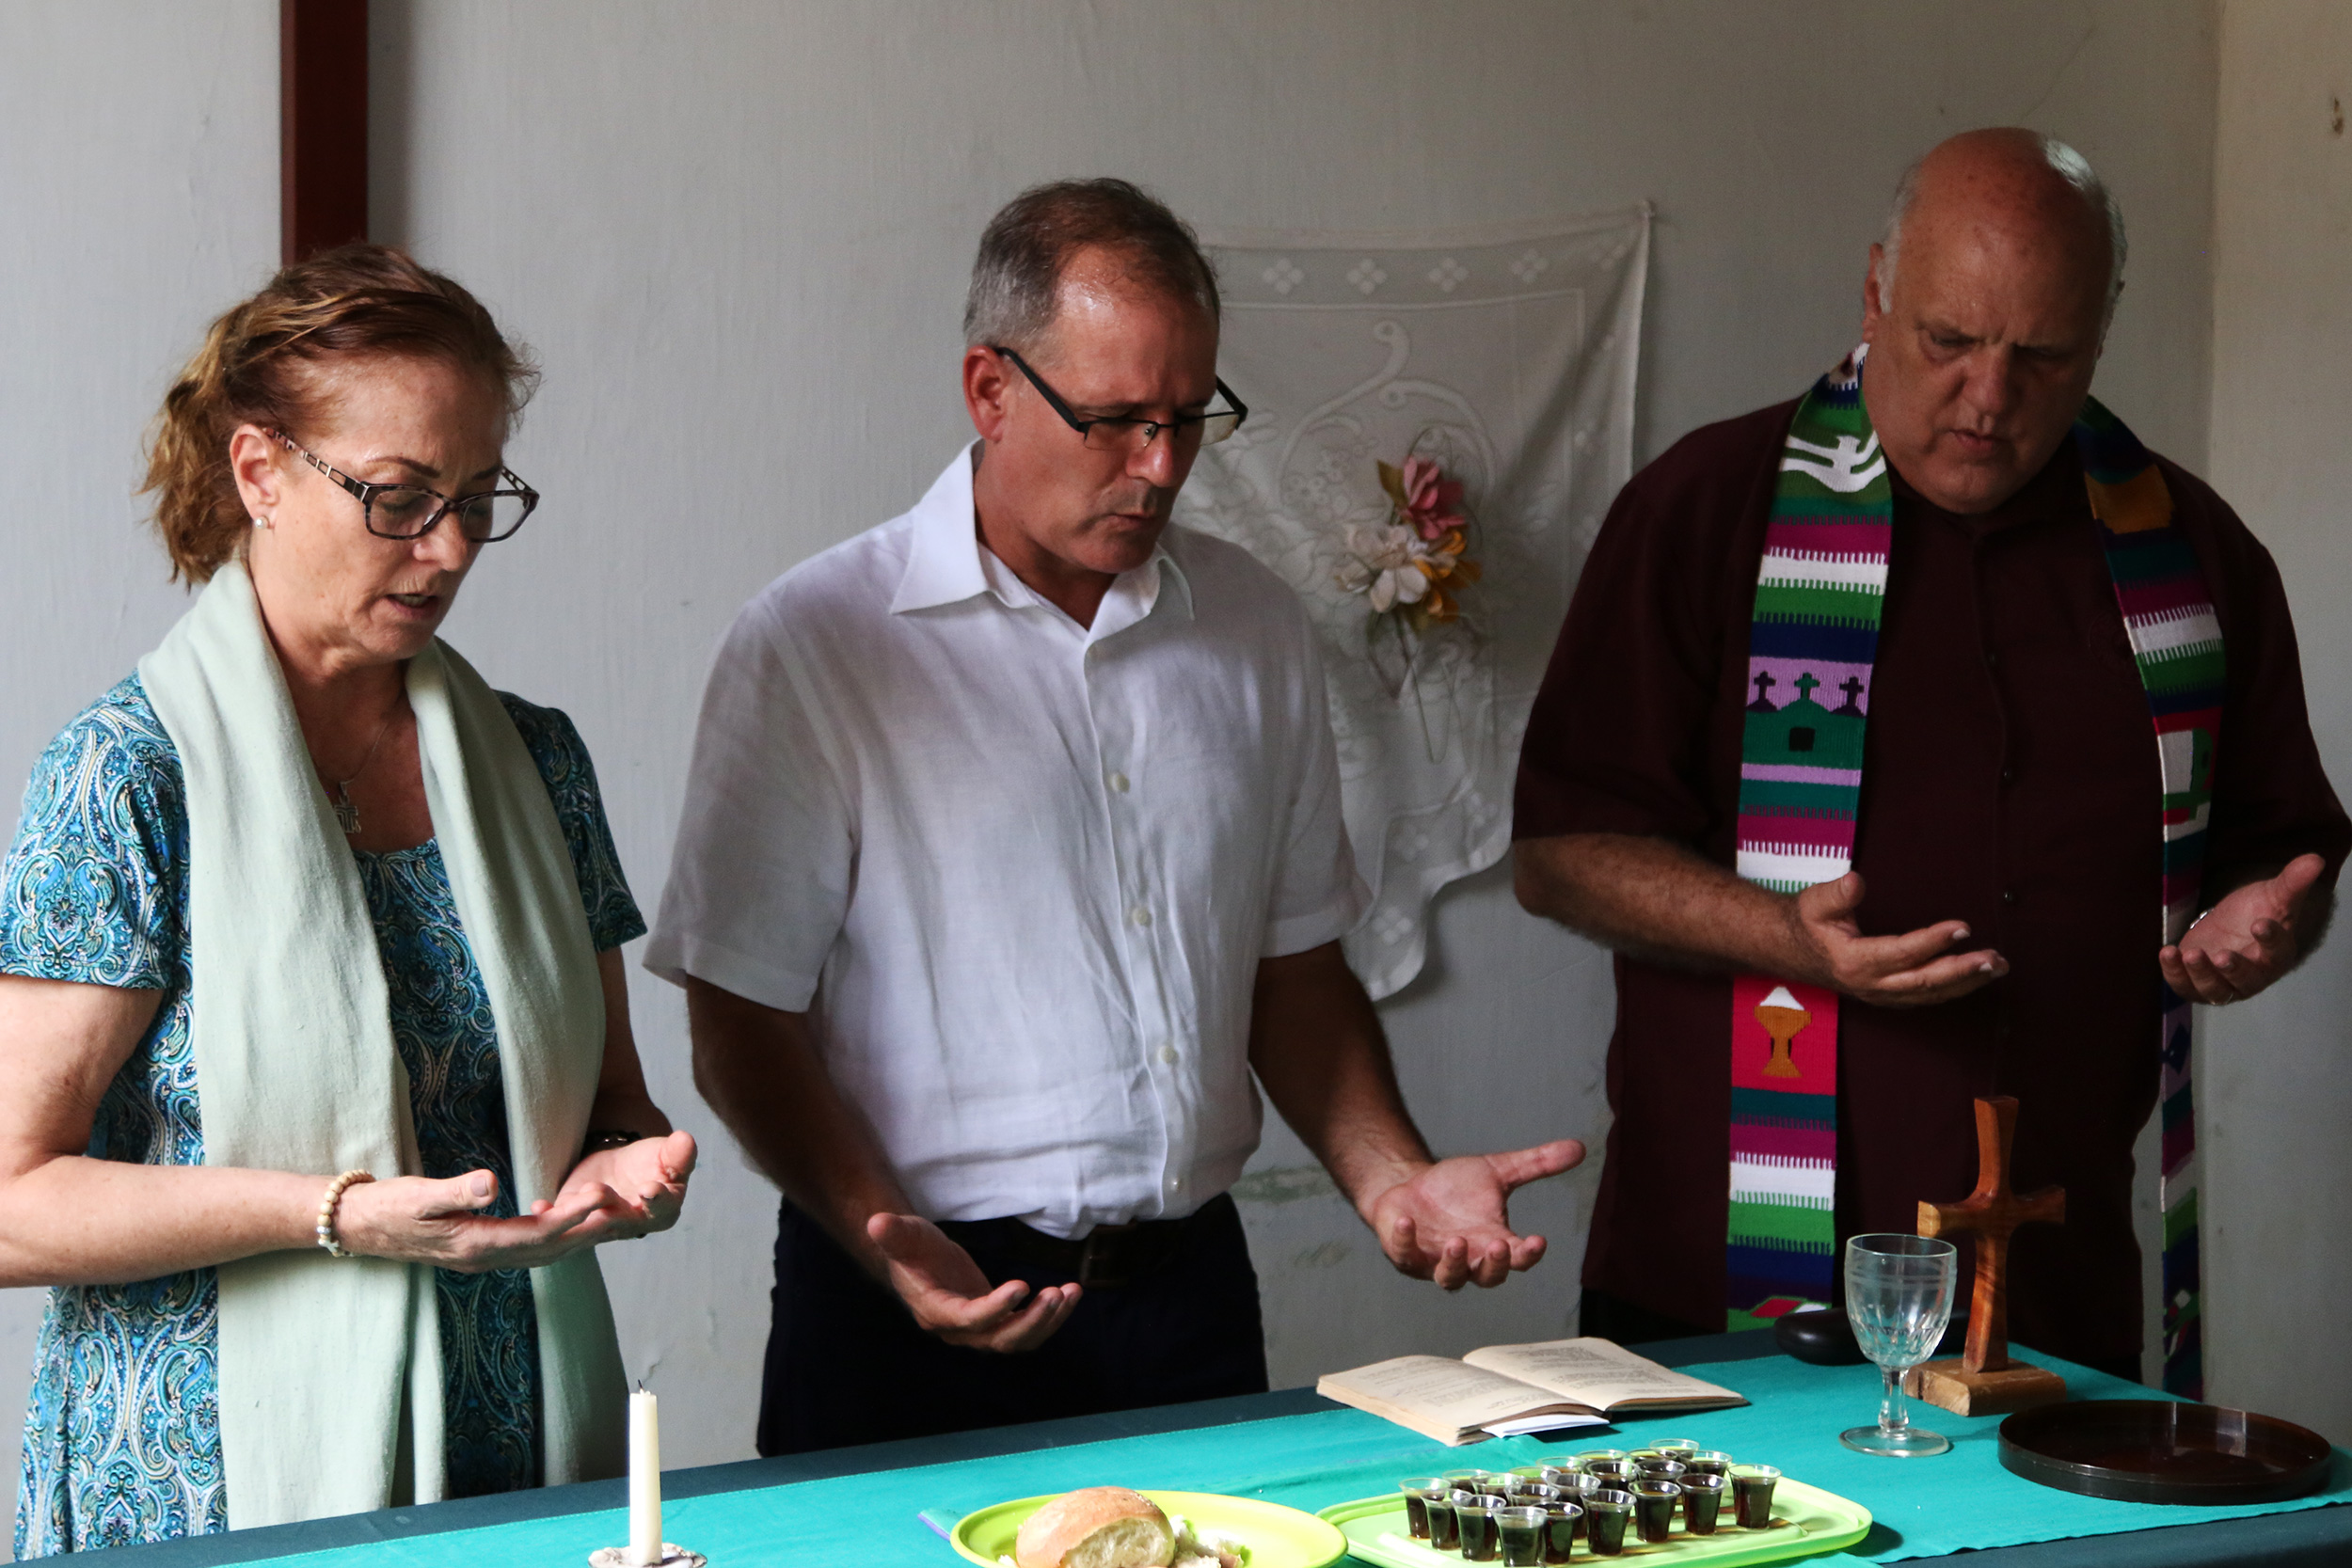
(1107, 1258)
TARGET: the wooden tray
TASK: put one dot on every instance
(2160, 1451)
(1806, 1520)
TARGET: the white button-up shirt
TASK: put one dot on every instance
(1019, 871)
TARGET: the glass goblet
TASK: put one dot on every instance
(1898, 1296)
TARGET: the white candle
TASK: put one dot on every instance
(644, 1479)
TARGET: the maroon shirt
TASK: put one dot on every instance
(2010, 781)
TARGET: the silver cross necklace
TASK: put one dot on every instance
(338, 795)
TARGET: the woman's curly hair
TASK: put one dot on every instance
(259, 366)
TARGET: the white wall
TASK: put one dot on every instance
(736, 235)
(2276, 1095)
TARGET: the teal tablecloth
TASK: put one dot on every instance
(1924, 1506)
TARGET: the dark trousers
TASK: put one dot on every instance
(846, 1363)
(1608, 1317)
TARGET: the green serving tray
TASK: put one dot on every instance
(1806, 1520)
(1277, 1537)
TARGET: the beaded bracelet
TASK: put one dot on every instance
(327, 1204)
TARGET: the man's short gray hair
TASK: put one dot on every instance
(2070, 166)
(1016, 278)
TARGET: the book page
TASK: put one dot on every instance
(1438, 1391)
(1557, 1420)
(1598, 1372)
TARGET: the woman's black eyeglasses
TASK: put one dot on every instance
(411, 511)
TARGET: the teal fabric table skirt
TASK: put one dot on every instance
(1924, 1506)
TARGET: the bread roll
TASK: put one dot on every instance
(1101, 1527)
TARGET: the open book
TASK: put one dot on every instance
(1579, 1381)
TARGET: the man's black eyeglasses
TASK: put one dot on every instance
(1127, 434)
(411, 511)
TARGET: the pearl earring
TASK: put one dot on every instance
(262, 522)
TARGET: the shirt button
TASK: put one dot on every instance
(1140, 915)
(2009, 775)
(1168, 1054)
(1119, 784)
(1175, 1183)
(1992, 660)
(2009, 895)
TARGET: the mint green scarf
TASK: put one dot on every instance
(322, 1358)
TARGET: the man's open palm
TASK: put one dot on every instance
(951, 1298)
(1452, 1222)
(1915, 968)
(2246, 941)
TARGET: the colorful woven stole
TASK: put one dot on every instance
(1818, 595)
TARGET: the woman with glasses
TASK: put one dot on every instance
(317, 1089)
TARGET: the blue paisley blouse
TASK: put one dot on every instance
(122, 1436)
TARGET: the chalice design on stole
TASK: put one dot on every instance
(1782, 1019)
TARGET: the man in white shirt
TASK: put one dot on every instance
(1011, 851)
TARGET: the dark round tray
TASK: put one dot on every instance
(2158, 1451)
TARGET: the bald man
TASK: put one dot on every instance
(1880, 743)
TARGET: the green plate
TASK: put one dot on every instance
(1277, 1537)
(1806, 1520)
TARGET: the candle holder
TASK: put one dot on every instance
(672, 1557)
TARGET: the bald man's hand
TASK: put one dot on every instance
(1916, 969)
(2248, 940)
(1658, 898)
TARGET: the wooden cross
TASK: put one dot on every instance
(1991, 1215)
